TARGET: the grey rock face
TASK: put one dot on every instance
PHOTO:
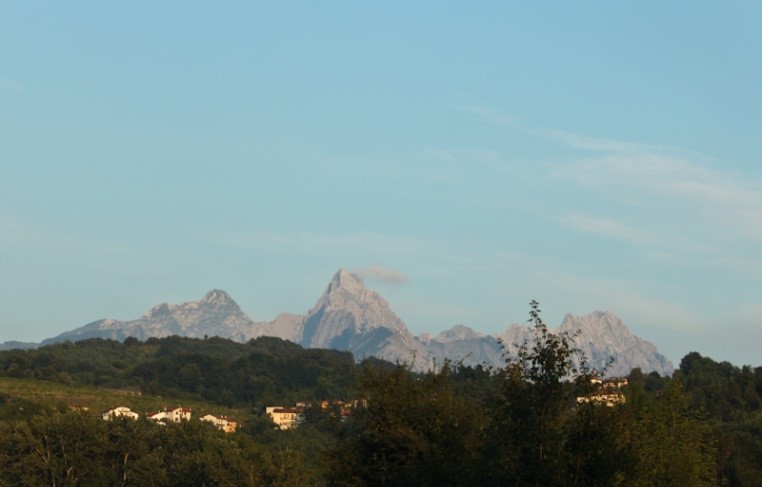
(600, 336)
(351, 317)
(347, 308)
(472, 351)
(457, 333)
(216, 314)
(286, 326)
(348, 316)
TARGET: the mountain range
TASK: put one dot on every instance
(349, 316)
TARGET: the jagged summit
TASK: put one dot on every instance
(597, 321)
(214, 314)
(214, 299)
(347, 288)
(456, 333)
(345, 280)
(349, 316)
(603, 335)
(600, 336)
(346, 308)
(158, 310)
(217, 297)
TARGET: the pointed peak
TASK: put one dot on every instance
(458, 332)
(217, 297)
(596, 320)
(344, 279)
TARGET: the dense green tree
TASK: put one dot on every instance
(731, 397)
(666, 441)
(595, 454)
(413, 430)
(59, 449)
(79, 449)
(518, 425)
(537, 399)
(264, 370)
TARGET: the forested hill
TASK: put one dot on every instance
(263, 371)
(522, 424)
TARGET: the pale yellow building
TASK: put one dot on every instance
(228, 425)
(285, 418)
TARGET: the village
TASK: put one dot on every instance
(176, 415)
(283, 417)
(608, 392)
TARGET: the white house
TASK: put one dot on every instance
(119, 412)
(174, 415)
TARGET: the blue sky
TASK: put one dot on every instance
(466, 158)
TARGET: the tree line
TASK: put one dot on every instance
(263, 371)
(456, 425)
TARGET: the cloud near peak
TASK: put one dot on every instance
(381, 274)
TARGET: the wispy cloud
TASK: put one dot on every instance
(609, 228)
(382, 274)
(716, 198)
(305, 241)
(646, 175)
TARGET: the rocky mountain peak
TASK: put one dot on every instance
(456, 333)
(597, 322)
(216, 297)
(347, 281)
(214, 314)
(348, 309)
(349, 316)
(603, 335)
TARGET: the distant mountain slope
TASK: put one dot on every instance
(14, 345)
(216, 314)
(461, 344)
(286, 326)
(350, 317)
(601, 336)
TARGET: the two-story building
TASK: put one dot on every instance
(286, 418)
(224, 423)
(173, 415)
(119, 412)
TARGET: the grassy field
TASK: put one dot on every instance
(96, 400)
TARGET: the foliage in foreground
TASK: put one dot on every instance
(79, 449)
(519, 425)
(263, 371)
(526, 431)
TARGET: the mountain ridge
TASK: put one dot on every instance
(349, 316)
